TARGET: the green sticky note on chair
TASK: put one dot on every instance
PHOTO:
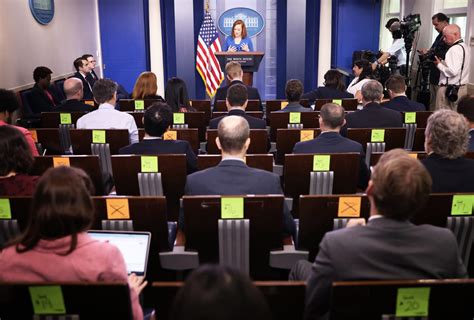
(47, 299)
(412, 302)
(178, 118)
(337, 101)
(462, 204)
(65, 118)
(98, 136)
(149, 163)
(321, 162)
(232, 208)
(410, 117)
(139, 105)
(295, 117)
(5, 210)
(377, 135)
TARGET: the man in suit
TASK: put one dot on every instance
(157, 120)
(466, 108)
(92, 62)
(331, 119)
(293, 92)
(446, 141)
(106, 117)
(234, 73)
(74, 92)
(389, 246)
(83, 70)
(373, 115)
(334, 88)
(42, 97)
(232, 176)
(398, 100)
(236, 102)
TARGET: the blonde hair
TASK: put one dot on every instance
(145, 86)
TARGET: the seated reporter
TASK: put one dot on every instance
(334, 88)
(446, 142)
(55, 246)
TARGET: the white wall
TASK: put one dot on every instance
(25, 44)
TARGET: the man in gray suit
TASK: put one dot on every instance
(389, 246)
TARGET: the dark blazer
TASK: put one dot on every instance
(373, 116)
(450, 175)
(326, 93)
(403, 104)
(333, 142)
(72, 105)
(254, 123)
(295, 107)
(383, 249)
(234, 177)
(471, 141)
(87, 85)
(221, 93)
(160, 146)
(39, 101)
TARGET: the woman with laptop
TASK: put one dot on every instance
(55, 246)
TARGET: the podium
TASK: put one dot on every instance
(250, 61)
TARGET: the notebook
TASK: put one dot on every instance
(134, 246)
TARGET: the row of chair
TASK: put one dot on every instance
(255, 236)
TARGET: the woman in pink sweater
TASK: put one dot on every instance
(55, 246)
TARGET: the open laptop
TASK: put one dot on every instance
(134, 246)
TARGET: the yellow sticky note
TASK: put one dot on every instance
(410, 117)
(413, 155)
(321, 162)
(65, 118)
(349, 207)
(47, 299)
(89, 102)
(98, 136)
(178, 118)
(170, 135)
(306, 135)
(283, 104)
(61, 161)
(462, 204)
(5, 210)
(117, 209)
(337, 101)
(232, 208)
(34, 135)
(139, 105)
(149, 163)
(412, 302)
(295, 117)
(377, 135)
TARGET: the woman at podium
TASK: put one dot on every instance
(238, 40)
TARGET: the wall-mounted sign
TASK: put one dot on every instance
(253, 21)
(42, 10)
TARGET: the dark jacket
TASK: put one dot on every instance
(294, 107)
(333, 142)
(221, 93)
(254, 123)
(450, 175)
(87, 83)
(73, 105)
(471, 141)
(403, 104)
(39, 101)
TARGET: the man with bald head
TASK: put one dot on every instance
(73, 88)
(232, 176)
(454, 70)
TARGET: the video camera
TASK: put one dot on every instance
(410, 24)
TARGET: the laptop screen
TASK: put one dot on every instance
(133, 245)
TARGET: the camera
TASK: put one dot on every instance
(452, 92)
(410, 24)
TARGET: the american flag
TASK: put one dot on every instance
(206, 62)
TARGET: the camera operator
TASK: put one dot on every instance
(439, 49)
(454, 70)
(397, 49)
